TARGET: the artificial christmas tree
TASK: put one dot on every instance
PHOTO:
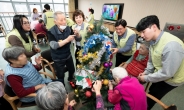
(95, 63)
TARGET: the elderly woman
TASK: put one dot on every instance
(128, 92)
(54, 97)
(21, 75)
(21, 35)
(138, 62)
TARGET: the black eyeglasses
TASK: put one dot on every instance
(26, 23)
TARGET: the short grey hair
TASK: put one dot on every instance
(12, 53)
(56, 13)
(146, 43)
(119, 72)
(51, 97)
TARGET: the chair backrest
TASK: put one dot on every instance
(165, 107)
(47, 55)
(8, 90)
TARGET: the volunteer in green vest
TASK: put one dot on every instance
(69, 22)
(123, 43)
(81, 28)
(48, 17)
(165, 68)
(90, 18)
(21, 35)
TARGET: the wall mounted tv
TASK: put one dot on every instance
(112, 11)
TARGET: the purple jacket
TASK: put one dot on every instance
(133, 94)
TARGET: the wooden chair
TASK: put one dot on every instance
(165, 107)
(36, 37)
(47, 62)
(14, 100)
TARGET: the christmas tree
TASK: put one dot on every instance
(95, 63)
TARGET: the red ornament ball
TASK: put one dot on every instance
(88, 93)
(111, 56)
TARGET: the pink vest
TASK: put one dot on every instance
(132, 93)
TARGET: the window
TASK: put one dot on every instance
(5, 23)
(33, 0)
(58, 1)
(9, 22)
(47, 1)
(59, 7)
(6, 7)
(21, 8)
(66, 8)
(66, 1)
(20, 0)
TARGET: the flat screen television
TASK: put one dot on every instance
(112, 11)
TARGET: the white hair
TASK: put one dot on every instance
(56, 13)
(119, 72)
(51, 97)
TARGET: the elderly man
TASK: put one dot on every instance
(60, 40)
(21, 75)
(124, 44)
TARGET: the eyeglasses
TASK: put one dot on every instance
(26, 23)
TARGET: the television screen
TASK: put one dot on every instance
(112, 11)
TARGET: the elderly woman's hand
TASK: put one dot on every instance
(110, 85)
(1, 76)
(97, 86)
(38, 60)
(39, 86)
(72, 103)
(37, 50)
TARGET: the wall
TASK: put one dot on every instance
(167, 10)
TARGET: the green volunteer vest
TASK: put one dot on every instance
(156, 56)
(69, 22)
(50, 19)
(92, 19)
(122, 42)
(27, 46)
(83, 33)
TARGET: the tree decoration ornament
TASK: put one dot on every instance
(76, 91)
(106, 64)
(72, 84)
(110, 64)
(88, 94)
(106, 82)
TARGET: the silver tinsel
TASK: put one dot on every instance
(96, 62)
